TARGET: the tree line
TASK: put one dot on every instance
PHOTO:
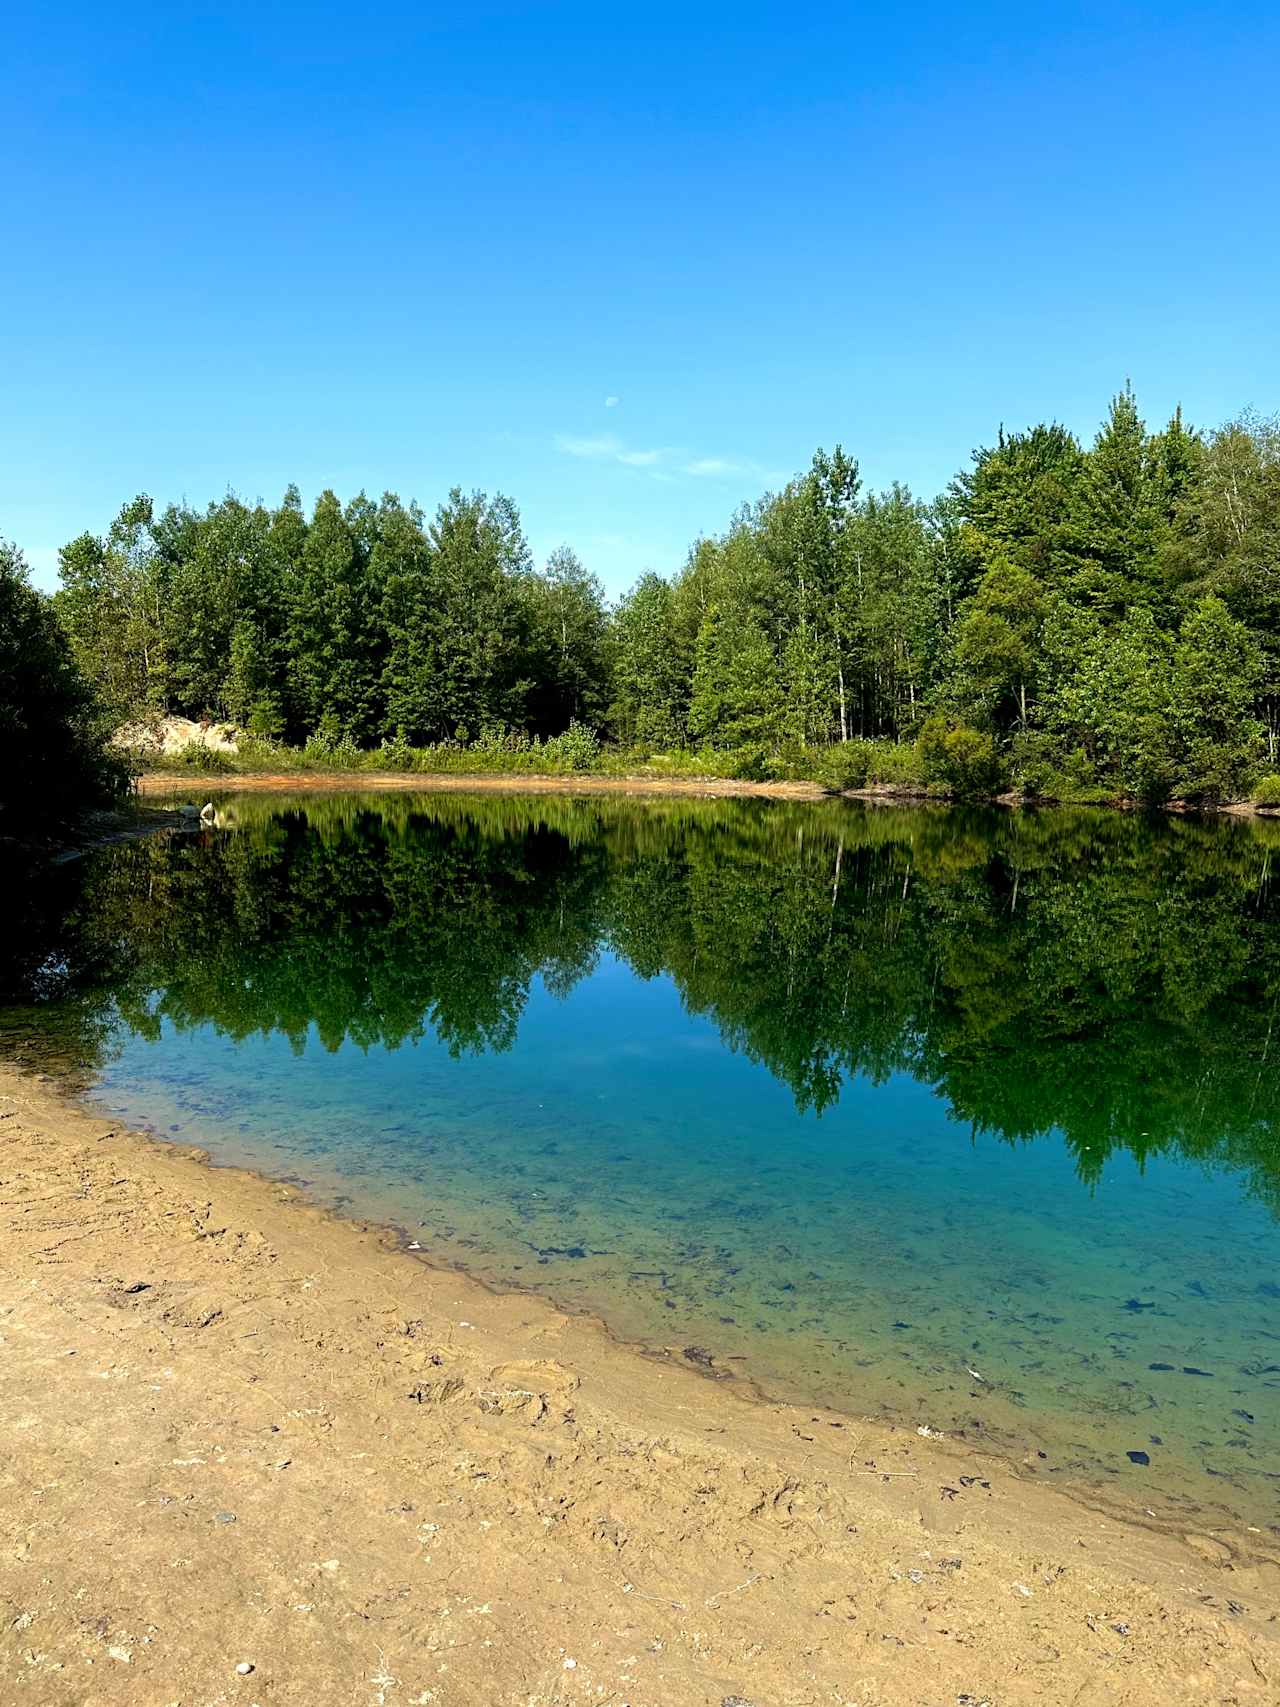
(1107, 616)
(362, 623)
(1063, 618)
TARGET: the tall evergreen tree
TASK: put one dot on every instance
(1120, 514)
(478, 555)
(331, 679)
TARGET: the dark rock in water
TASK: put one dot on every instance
(1161, 1366)
(697, 1354)
(1190, 1369)
(900, 1325)
(1269, 1289)
(1138, 1457)
(1246, 1416)
(1137, 1304)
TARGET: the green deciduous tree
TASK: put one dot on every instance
(566, 628)
(112, 606)
(737, 696)
(651, 668)
(998, 642)
(1217, 669)
(52, 731)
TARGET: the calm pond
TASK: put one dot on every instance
(858, 1102)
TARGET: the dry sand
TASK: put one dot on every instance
(413, 782)
(238, 1432)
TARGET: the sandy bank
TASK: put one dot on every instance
(235, 1430)
(387, 782)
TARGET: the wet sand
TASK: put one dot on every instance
(238, 1431)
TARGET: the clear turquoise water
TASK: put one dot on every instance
(857, 1102)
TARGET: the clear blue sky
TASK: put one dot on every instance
(628, 265)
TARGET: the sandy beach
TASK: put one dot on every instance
(169, 783)
(254, 1453)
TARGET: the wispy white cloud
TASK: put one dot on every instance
(602, 449)
(733, 468)
(606, 447)
(612, 402)
(712, 465)
(663, 462)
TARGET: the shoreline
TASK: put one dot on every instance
(676, 1480)
(1008, 1444)
(411, 782)
(160, 783)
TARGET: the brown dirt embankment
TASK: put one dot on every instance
(408, 782)
(252, 1453)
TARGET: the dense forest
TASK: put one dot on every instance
(1109, 976)
(1070, 620)
(53, 731)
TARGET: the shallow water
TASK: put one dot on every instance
(968, 1118)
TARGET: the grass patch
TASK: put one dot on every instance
(576, 752)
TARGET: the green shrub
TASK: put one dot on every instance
(964, 759)
(1044, 771)
(894, 763)
(497, 742)
(195, 756)
(841, 767)
(258, 753)
(972, 763)
(330, 749)
(741, 764)
(396, 754)
(1266, 791)
(931, 749)
(578, 749)
(1212, 771)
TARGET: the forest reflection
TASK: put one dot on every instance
(1111, 977)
